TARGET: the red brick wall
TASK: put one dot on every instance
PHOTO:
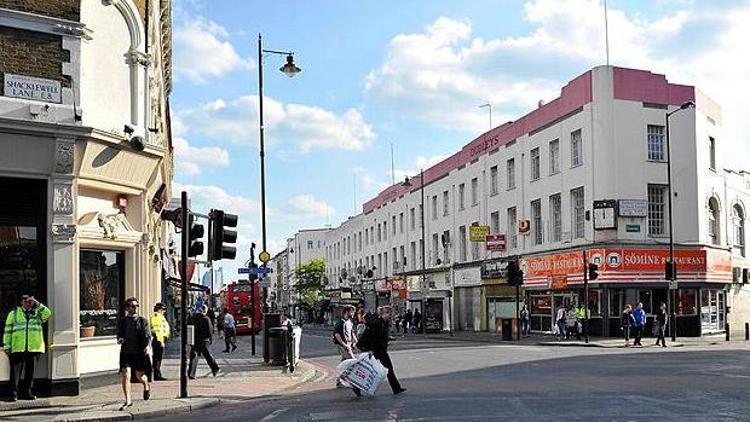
(32, 54)
(63, 9)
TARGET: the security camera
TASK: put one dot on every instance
(138, 143)
(128, 129)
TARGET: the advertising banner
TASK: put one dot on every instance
(478, 234)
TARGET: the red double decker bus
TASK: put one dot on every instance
(239, 303)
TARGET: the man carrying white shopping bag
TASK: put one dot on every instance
(375, 339)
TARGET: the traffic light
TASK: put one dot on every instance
(670, 270)
(195, 234)
(218, 236)
(593, 271)
(515, 275)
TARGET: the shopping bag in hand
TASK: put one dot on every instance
(364, 372)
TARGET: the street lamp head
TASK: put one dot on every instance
(406, 183)
(687, 104)
(290, 69)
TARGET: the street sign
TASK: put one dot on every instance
(478, 233)
(264, 257)
(255, 271)
(524, 227)
(495, 242)
(632, 228)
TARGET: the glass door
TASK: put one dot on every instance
(712, 310)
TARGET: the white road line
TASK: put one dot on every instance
(271, 416)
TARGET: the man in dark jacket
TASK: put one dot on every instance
(380, 328)
(202, 346)
(133, 335)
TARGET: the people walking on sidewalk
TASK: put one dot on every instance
(581, 317)
(660, 323)
(525, 321)
(571, 323)
(229, 326)
(408, 321)
(397, 322)
(160, 331)
(639, 317)
(418, 321)
(133, 336)
(379, 330)
(344, 337)
(23, 341)
(202, 346)
(560, 322)
(626, 323)
(361, 321)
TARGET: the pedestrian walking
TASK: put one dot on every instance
(397, 322)
(23, 342)
(525, 321)
(661, 323)
(418, 321)
(133, 336)
(230, 332)
(581, 317)
(211, 317)
(408, 321)
(571, 323)
(560, 322)
(160, 331)
(202, 346)
(344, 338)
(639, 319)
(378, 329)
(626, 323)
(361, 321)
(220, 323)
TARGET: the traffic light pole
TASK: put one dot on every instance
(183, 295)
(585, 297)
(518, 312)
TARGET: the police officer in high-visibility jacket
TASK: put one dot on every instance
(23, 342)
(160, 331)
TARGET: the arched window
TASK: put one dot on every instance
(738, 220)
(713, 221)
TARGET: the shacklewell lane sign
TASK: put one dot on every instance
(30, 88)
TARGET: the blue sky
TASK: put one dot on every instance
(408, 73)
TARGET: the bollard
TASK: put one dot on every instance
(726, 330)
(747, 331)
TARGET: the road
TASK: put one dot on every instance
(456, 381)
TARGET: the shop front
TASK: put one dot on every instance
(467, 298)
(437, 298)
(498, 298)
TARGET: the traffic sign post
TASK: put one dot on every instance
(255, 271)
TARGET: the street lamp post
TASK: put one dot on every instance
(672, 273)
(289, 69)
(422, 285)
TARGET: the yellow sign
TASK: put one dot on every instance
(264, 257)
(478, 233)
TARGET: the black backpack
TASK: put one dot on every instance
(338, 329)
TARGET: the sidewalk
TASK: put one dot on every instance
(242, 377)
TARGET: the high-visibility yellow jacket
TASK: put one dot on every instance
(159, 327)
(25, 335)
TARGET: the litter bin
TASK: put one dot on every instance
(270, 320)
(277, 338)
(507, 329)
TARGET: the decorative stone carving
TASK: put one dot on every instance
(64, 155)
(136, 57)
(63, 199)
(64, 233)
(76, 31)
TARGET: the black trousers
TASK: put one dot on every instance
(203, 348)
(22, 373)
(158, 349)
(637, 334)
(385, 359)
(230, 339)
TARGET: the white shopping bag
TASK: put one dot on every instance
(364, 372)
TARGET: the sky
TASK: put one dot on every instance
(408, 77)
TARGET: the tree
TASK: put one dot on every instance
(310, 281)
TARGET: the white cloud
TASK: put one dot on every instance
(189, 160)
(308, 127)
(310, 207)
(202, 51)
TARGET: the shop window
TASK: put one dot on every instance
(102, 287)
(646, 298)
(594, 302)
(541, 305)
(616, 302)
(686, 304)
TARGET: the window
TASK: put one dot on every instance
(102, 285)
(655, 140)
(402, 257)
(713, 221)
(386, 271)
(446, 204)
(657, 195)
(577, 213)
(395, 259)
(554, 157)
(474, 191)
(462, 244)
(461, 196)
(380, 238)
(412, 219)
(495, 222)
(446, 240)
(360, 241)
(435, 255)
(475, 246)
(434, 207)
(421, 252)
(309, 244)
(512, 231)
(712, 152)
(393, 224)
(536, 221)
(493, 180)
(401, 223)
(535, 164)
(738, 221)
(511, 170)
(555, 213)
(576, 149)
(385, 230)
(413, 254)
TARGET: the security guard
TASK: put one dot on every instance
(23, 342)
(160, 331)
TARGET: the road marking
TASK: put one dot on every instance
(271, 416)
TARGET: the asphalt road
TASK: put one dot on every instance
(457, 381)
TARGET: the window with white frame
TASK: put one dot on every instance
(712, 152)
(461, 196)
(510, 166)
(713, 221)
(555, 212)
(554, 157)
(462, 244)
(577, 212)
(655, 141)
(657, 207)
(512, 228)
(493, 180)
(576, 148)
(385, 230)
(434, 207)
(401, 223)
(435, 251)
(738, 221)
(412, 219)
(474, 191)
(413, 255)
(536, 221)
(535, 164)
(393, 224)
(495, 222)
(380, 234)
(446, 204)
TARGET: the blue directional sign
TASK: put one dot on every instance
(255, 271)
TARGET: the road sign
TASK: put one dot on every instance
(264, 257)
(255, 271)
